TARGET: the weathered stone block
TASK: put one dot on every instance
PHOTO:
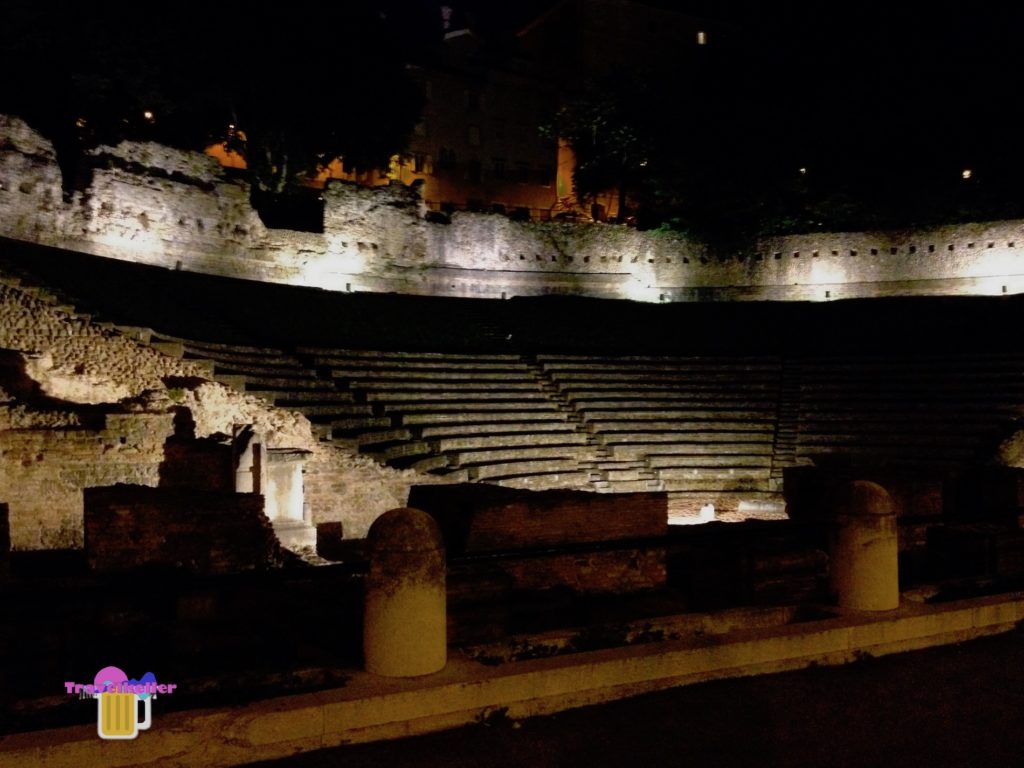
(202, 532)
(483, 518)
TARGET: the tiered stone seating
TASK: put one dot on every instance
(467, 416)
(687, 425)
(920, 410)
(279, 378)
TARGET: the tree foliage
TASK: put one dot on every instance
(605, 127)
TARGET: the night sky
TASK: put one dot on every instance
(870, 85)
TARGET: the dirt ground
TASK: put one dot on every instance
(952, 706)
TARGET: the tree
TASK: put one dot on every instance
(605, 130)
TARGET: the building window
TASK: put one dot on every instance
(499, 167)
(446, 159)
(473, 135)
(420, 163)
(702, 38)
(473, 100)
(546, 175)
(523, 173)
(474, 171)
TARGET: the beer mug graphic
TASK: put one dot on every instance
(117, 712)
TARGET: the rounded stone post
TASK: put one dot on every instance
(864, 565)
(405, 623)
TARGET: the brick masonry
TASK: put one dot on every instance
(201, 532)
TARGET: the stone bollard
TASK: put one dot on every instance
(864, 567)
(405, 624)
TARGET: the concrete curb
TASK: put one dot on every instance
(372, 708)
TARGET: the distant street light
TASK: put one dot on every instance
(966, 173)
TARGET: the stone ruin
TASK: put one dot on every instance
(83, 406)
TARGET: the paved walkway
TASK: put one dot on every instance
(952, 706)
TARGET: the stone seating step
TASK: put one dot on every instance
(402, 451)
(872, 423)
(683, 426)
(449, 396)
(917, 438)
(387, 367)
(667, 364)
(448, 444)
(623, 475)
(609, 464)
(640, 389)
(546, 482)
(379, 437)
(697, 437)
(714, 473)
(639, 450)
(284, 383)
(452, 386)
(209, 347)
(889, 450)
(577, 358)
(495, 428)
(263, 370)
(934, 390)
(469, 418)
(882, 367)
(951, 456)
(239, 383)
(329, 411)
(627, 416)
(686, 371)
(268, 358)
(342, 426)
(522, 468)
(433, 407)
(498, 455)
(671, 461)
(697, 377)
(917, 406)
(629, 401)
(632, 486)
(431, 463)
(304, 397)
(344, 355)
(408, 373)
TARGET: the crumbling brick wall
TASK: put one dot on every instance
(202, 532)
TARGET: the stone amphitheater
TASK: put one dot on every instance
(195, 409)
(711, 403)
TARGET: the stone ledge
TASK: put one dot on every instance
(371, 708)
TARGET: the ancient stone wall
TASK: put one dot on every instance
(154, 205)
(83, 406)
